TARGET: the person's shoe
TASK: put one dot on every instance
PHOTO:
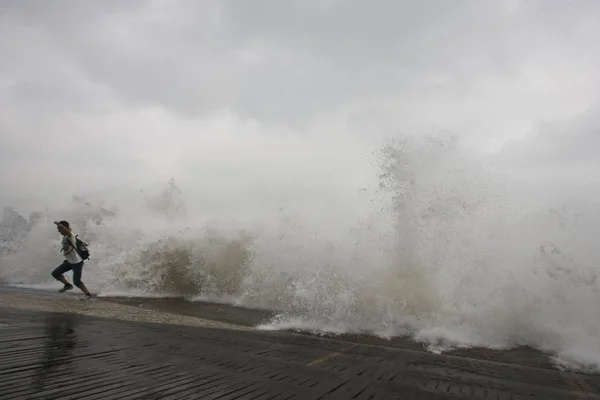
(65, 288)
(86, 297)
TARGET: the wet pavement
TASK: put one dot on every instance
(525, 356)
(75, 355)
(213, 311)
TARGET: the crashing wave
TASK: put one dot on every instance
(446, 250)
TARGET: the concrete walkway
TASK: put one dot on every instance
(58, 355)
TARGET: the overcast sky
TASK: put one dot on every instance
(224, 94)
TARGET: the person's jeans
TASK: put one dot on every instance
(65, 267)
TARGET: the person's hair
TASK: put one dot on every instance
(65, 223)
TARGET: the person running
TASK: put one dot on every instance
(73, 261)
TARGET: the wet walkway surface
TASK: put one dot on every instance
(67, 356)
(53, 346)
(524, 356)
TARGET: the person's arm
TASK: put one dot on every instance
(63, 229)
(65, 244)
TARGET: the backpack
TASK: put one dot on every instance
(82, 249)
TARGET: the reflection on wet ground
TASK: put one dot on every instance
(59, 343)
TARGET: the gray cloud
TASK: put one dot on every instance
(146, 86)
(558, 144)
(301, 58)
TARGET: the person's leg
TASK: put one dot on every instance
(77, 271)
(58, 275)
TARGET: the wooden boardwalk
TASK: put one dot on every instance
(67, 356)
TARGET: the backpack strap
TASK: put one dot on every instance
(75, 247)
